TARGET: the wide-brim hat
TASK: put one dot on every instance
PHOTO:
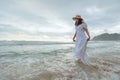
(76, 17)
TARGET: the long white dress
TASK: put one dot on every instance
(79, 52)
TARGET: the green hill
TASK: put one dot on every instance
(107, 37)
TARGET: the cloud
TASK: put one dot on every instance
(46, 19)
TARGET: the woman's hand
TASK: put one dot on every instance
(88, 39)
(73, 39)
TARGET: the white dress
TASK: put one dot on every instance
(79, 52)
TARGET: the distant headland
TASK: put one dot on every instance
(107, 37)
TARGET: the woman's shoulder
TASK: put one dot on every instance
(83, 24)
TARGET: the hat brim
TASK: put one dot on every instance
(75, 18)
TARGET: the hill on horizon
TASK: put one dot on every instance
(107, 37)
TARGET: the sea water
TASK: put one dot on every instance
(39, 60)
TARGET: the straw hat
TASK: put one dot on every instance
(76, 17)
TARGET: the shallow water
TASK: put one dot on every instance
(53, 61)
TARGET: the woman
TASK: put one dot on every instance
(80, 39)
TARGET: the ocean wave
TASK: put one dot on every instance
(20, 43)
(62, 68)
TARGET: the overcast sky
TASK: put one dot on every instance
(51, 20)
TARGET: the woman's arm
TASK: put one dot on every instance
(74, 36)
(87, 32)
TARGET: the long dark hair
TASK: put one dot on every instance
(80, 21)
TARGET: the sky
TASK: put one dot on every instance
(51, 20)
